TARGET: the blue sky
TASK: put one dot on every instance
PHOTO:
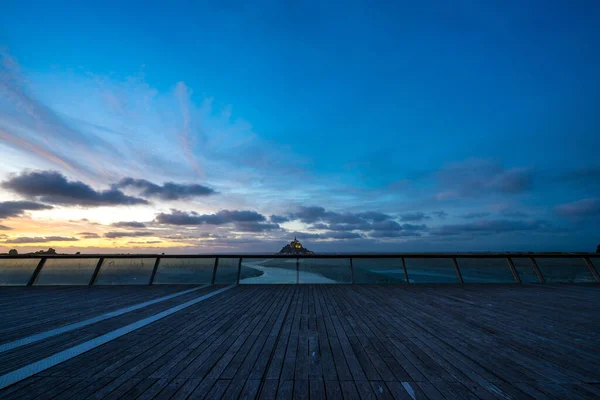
(467, 126)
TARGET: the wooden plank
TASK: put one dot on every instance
(269, 389)
(285, 390)
(333, 341)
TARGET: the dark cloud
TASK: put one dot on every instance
(342, 235)
(146, 242)
(475, 177)
(307, 235)
(414, 217)
(490, 226)
(53, 187)
(129, 224)
(328, 235)
(88, 235)
(115, 235)
(413, 227)
(393, 234)
(440, 214)
(516, 180)
(585, 176)
(320, 226)
(17, 208)
(195, 235)
(385, 226)
(45, 239)
(255, 226)
(309, 214)
(166, 191)
(580, 208)
(475, 215)
(513, 214)
(278, 219)
(315, 214)
(348, 227)
(374, 216)
(177, 217)
(354, 226)
(5, 228)
(390, 229)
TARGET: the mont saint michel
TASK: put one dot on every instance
(294, 247)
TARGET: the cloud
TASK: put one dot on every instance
(129, 224)
(413, 227)
(222, 217)
(183, 96)
(475, 215)
(309, 214)
(5, 228)
(476, 177)
(45, 239)
(393, 234)
(382, 229)
(255, 226)
(278, 219)
(320, 226)
(513, 214)
(515, 180)
(329, 235)
(347, 227)
(36, 128)
(414, 217)
(489, 226)
(17, 208)
(342, 235)
(88, 235)
(166, 191)
(584, 176)
(372, 223)
(580, 208)
(314, 214)
(146, 242)
(116, 235)
(440, 214)
(53, 187)
(374, 216)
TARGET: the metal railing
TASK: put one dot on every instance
(144, 269)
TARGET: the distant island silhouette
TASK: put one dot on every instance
(294, 247)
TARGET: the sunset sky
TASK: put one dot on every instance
(359, 126)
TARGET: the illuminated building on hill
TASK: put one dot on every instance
(294, 247)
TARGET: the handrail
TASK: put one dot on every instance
(590, 260)
(337, 255)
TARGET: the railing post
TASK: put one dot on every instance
(96, 271)
(154, 271)
(405, 271)
(592, 269)
(513, 270)
(460, 278)
(36, 271)
(537, 270)
(239, 270)
(214, 274)
(297, 270)
(351, 271)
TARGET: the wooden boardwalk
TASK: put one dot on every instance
(313, 341)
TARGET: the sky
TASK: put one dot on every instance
(359, 126)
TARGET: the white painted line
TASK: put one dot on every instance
(39, 366)
(53, 332)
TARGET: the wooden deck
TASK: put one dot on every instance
(313, 341)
